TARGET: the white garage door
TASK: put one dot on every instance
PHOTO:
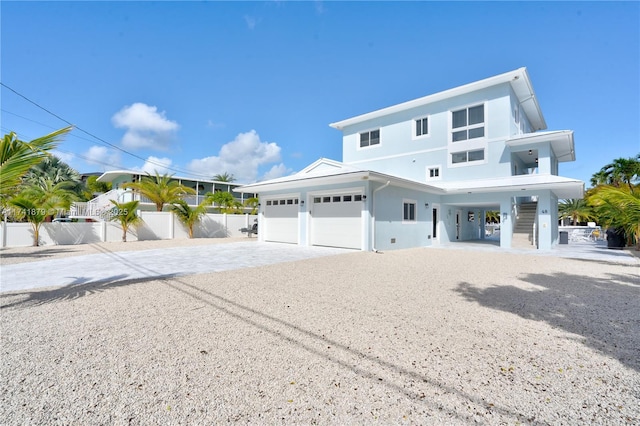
(336, 221)
(281, 220)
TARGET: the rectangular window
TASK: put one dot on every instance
(269, 202)
(316, 199)
(326, 199)
(346, 198)
(467, 123)
(409, 211)
(370, 138)
(357, 198)
(290, 202)
(434, 172)
(467, 156)
(282, 202)
(422, 126)
(336, 199)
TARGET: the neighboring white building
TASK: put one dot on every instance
(95, 208)
(425, 172)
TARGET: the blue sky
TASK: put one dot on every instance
(249, 88)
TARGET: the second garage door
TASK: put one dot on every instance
(336, 221)
(281, 220)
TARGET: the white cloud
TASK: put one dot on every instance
(155, 164)
(145, 127)
(67, 157)
(241, 157)
(276, 172)
(103, 157)
(251, 21)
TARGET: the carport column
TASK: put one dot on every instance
(545, 227)
(506, 223)
(103, 231)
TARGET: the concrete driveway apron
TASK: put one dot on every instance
(156, 263)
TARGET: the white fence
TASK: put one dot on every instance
(156, 226)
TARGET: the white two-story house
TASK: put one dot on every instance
(426, 171)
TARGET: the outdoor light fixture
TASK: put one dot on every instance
(364, 197)
(302, 202)
(504, 217)
(530, 152)
(426, 205)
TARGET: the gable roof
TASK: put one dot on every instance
(520, 83)
(325, 171)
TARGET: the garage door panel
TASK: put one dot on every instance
(336, 223)
(281, 221)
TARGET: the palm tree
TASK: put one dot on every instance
(618, 207)
(223, 199)
(492, 216)
(125, 214)
(576, 209)
(622, 171)
(17, 157)
(160, 190)
(253, 203)
(43, 199)
(187, 215)
(224, 177)
(55, 170)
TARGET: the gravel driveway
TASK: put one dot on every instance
(424, 336)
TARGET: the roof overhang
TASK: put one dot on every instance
(111, 175)
(518, 79)
(296, 182)
(561, 142)
(562, 187)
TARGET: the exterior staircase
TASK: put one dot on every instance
(523, 230)
(98, 207)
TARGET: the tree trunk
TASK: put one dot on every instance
(124, 234)
(36, 236)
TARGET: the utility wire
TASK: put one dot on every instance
(100, 139)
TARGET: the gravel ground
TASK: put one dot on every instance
(424, 336)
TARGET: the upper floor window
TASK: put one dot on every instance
(467, 123)
(370, 138)
(421, 127)
(467, 156)
(434, 172)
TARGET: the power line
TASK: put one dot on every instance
(100, 139)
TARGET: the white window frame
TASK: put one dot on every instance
(369, 144)
(414, 127)
(437, 167)
(466, 152)
(413, 203)
(468, 127)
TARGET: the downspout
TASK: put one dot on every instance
(373, 214)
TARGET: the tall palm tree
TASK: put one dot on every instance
(622, 171)
(224, 177)
(126, 215)
(619, 207)
(576, 209)
(43, 199)
(160, 190)
(187, 215)
(17, 157)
